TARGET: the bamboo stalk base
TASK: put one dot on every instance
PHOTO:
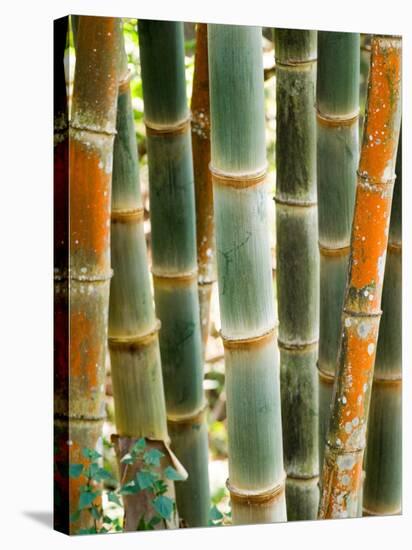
(302, 498)
(190, 443)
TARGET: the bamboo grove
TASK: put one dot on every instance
(311, 359)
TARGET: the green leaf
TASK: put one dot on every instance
(145, 479)
(173, 474)
(95, 512)
(155, 520)
(103, 530)
(102, 474)
(215, 514)
(107, 519)
(75, 470)
(163, 506)
(153, 457)
(113, 497)
(91, 454)
(130, 488)
(160, 487)
(143, 526)
(139, 446)
(127, 459)
(86, 499)
(75, 516)
(89, 531)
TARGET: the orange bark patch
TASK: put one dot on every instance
(370, 239)
(380, 140)
(90, 186)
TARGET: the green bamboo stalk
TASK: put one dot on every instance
(365, 56)
(140, 409)
(383, 464)
(80, 403)
(200, 125)
(172, 212)
(298, 265)
(337, 99)
(256, 475)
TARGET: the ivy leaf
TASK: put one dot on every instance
(130, 488)
(154, 521)
(139, 446)
(153, 457)
(86, 499)
(145, 479)
(112, 496)
(107, 519)
(75, 516)
(91, 454)
(102, 474)
(215, 514)
(95, 513)
(89, 531)
(143, 526)
(163, 506)
(173, 474)
(75, 470)
(160, 487)
(127, 459)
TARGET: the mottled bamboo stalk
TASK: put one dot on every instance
(200, 125)
(337, 98)
(174, 265)
(256, 475)
(61, 283)
(298, 265)
(92, 130)
(140, 409)
(383, 464)
(342, 469)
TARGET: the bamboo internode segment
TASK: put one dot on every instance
(172, 213)
(200, 126)
(337, 108)
(244, 266)
(92, 129)
(298, 264)
(383, 461)
(341, 476)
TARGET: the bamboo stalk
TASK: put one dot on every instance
(365, 57)
(200, 125)
(342, 469)
(383, 464)
(256, 475)
(337, 98)
(92, 129)
(172, 212)
(298, 265)
(61, 257)
(140, 409)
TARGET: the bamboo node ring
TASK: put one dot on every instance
(294, 202)
(91, 129)
(189, 419)
(240, 180)
(257, 497)
(124, 83)
(181, 127)
(124, 215)
(371, 182)
(183, 276)
(327, 251)
(337, 120)
(295, 346)
(134, 341)
(261, 339)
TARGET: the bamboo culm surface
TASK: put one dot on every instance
(238, 166)
(174, 264)
(298, 265)
(337, 98)
(140, 409)
(344, 451)
(92, 129)
(200, 125)
(383, 462)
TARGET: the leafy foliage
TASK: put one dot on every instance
(148, 478)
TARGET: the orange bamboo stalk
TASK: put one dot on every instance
(342, 468)
(92, 131)
(200, 107)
